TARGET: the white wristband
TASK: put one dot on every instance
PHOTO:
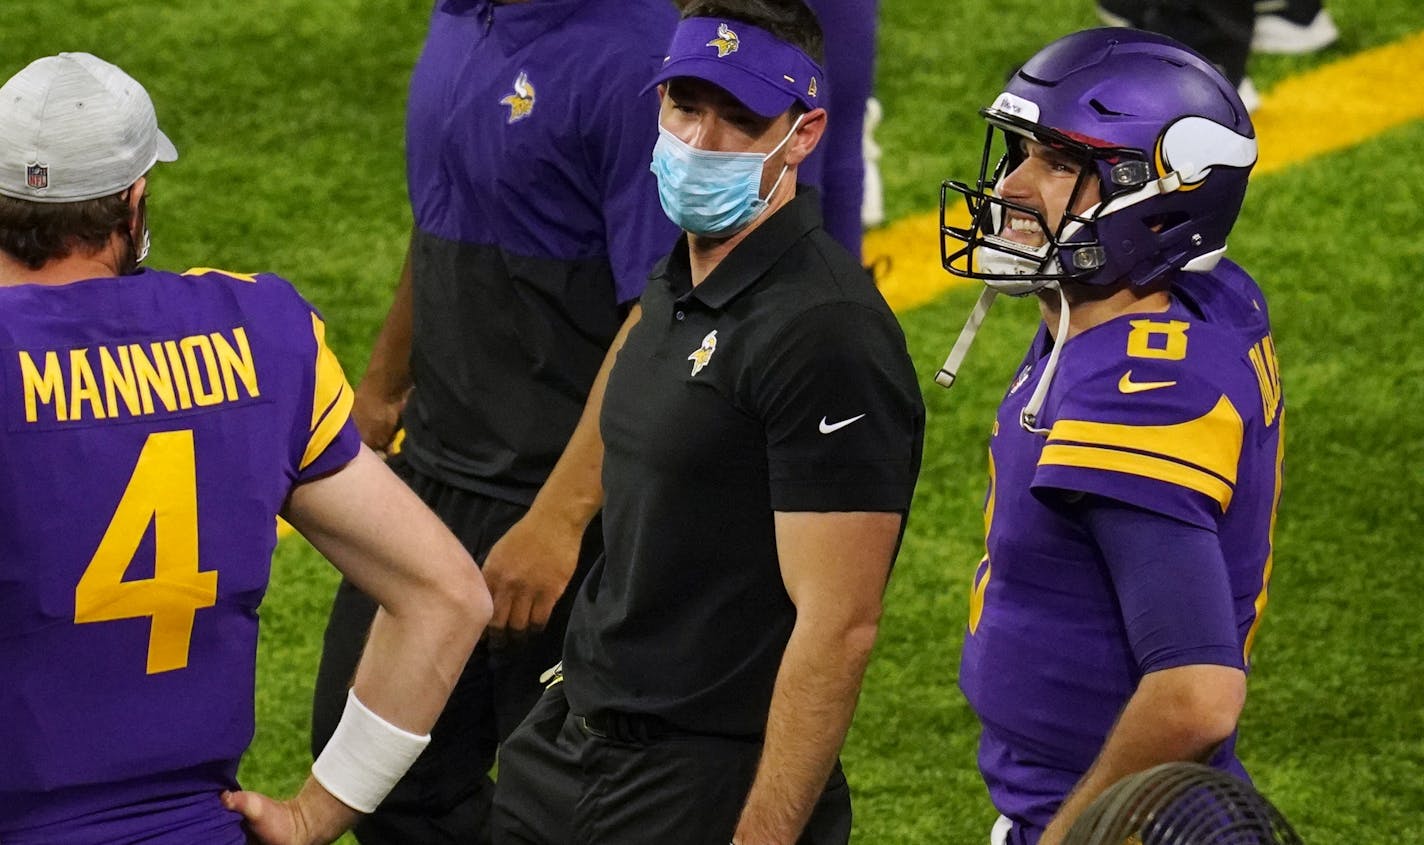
(365, 757)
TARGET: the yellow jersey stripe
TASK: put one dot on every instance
(329, 377)
(251, 278)
(1262, 596)
(330, 426)
(332, 397)
(1209, 443)
(1134, 463)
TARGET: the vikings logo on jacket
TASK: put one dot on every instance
(521, 102)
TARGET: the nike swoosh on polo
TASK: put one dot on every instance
(829, 427)
(1127, 385)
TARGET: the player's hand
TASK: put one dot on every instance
(527, 571)
(314, 817)
(268, 821)
(377, 415)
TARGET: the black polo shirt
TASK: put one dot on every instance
(781, 383)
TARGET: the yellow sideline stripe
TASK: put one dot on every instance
(907, 253)
(1341, 104)
(1330, 108)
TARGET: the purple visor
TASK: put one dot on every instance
(765, 73)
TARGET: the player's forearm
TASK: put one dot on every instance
(433, 601)
(811, 710)
(411, 661)
(429, 619)
(1182, 713)
(420, 639)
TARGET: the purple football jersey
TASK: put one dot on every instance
(154, 425)
(1179, 413)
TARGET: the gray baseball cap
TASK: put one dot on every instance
(74, 127)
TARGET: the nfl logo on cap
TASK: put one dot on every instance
(78, 128)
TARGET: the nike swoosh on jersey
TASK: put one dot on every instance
(1127, 385)
(829, 427)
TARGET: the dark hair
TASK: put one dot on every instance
(36, 233)
(790, 20)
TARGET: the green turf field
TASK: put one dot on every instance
(288, 117)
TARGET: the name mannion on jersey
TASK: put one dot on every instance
(128, 380)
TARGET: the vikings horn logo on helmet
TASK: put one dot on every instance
(726, 41)
(1193, 145)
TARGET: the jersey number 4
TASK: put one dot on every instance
(163, 492)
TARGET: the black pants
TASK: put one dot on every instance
(562, 783)
(446, 795)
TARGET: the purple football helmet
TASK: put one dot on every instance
(1161, 129)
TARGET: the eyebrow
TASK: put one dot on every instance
(1052, 152)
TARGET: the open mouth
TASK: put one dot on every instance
(1023, 229)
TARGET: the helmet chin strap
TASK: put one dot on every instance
(948, 373)
(1006, 264)
(1029, 417)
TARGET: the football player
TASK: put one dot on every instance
(1135, 460)
(155, 425)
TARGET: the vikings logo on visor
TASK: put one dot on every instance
(765, 73)
(726, 41)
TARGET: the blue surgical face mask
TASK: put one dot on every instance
(711, 193)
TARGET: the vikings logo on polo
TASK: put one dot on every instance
(726, 41)
(37, 176)
(702, 354)
(521, 102)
